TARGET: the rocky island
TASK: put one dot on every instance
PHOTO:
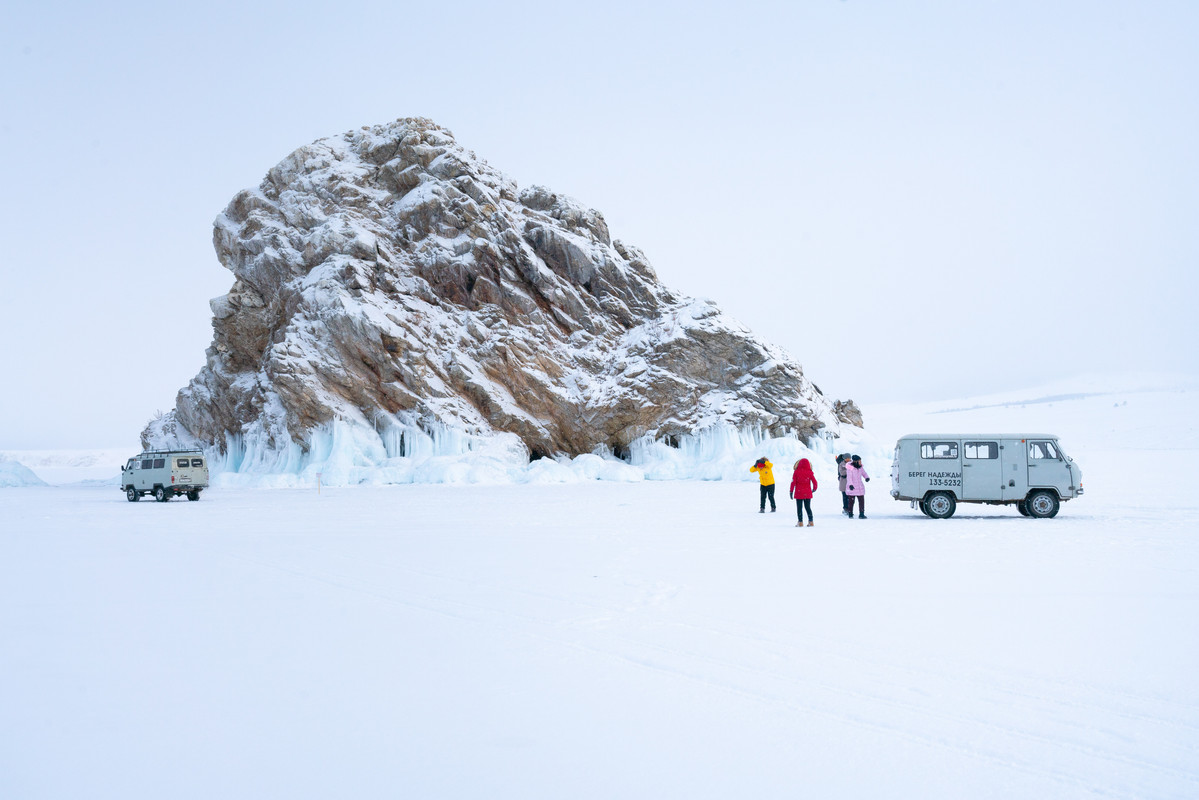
(390, 280)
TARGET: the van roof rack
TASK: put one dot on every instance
(168, 452)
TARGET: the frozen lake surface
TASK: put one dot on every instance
(599, 640)
(592, 640)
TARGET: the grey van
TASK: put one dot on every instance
(1029, 470)
(165, 474)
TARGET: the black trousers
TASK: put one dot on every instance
(800, 505)
(844, 503)
(767, 491)
(861, 504)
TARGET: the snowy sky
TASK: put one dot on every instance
(917, 199)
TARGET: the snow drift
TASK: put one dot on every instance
(14, 473)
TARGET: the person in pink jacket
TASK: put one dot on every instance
(855, 486)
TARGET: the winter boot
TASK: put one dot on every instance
(810, 523)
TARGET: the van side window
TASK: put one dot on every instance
(938, 449)
(181, 462)
(159, 463)
(1041, 450)
(147, 464)
(981, 449)
(197, 462)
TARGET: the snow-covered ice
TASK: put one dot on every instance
(601, 639)
(14, 473)
(59, 467)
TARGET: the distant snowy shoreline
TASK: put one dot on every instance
(1130, 411)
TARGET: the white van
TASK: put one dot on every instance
(938, 471)
(165, 473)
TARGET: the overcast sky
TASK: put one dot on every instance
(917, 199)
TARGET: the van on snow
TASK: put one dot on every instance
(938, 471)
(165, 474)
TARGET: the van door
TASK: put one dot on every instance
(181, 470)
(1014, 455)
(145, 475)
(1046, 467)
(982, 471)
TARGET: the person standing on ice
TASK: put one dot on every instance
(803, 485)
(842, 464)
(855, 486)
(765, 472)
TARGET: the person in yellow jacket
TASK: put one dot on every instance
(766, 475)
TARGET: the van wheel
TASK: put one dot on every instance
(193, 496)
(1022, 507)
(923, 508)
(132, 495)
(1042, 505)
(160, 494)
(940, 505)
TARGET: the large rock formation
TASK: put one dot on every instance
(389, 277)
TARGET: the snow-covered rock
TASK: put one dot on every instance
(395, 293)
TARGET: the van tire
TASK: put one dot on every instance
(1022, 507)
(160, 494)
(1042, 505)
(923, 508)
(940, 505)
(193, 496)
(132, 495)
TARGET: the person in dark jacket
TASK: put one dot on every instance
(803, 485)
(842, 463)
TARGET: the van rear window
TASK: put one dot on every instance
(938, 449)
(181, 463)
(197, 462)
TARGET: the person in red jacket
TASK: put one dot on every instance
(803, 485)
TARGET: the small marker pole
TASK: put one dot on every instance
(318, 483)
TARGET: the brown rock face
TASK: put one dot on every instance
(847, 411)
(389, 277)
